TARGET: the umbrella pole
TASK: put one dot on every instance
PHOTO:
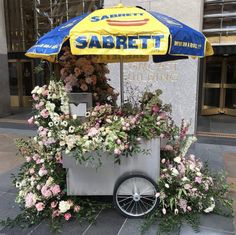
(121, 80)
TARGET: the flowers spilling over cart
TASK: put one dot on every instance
(185, 187)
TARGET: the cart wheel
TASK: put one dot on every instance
(135, 195)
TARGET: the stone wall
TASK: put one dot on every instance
(4, 77)
(177, 79)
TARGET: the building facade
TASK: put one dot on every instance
(198, 89)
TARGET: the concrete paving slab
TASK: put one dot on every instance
(218, 222)
(108, 222)
(132, 226)
(187, 230)
(70, 227)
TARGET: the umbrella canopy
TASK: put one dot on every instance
(130, 32)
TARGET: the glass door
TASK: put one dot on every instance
(21, 82)
(229, 87)
(219, 86)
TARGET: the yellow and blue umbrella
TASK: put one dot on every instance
(128, 32)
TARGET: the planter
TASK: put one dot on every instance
(80, 103)
(82, 180)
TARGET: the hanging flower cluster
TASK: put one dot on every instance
(185, 187)
(81, 74)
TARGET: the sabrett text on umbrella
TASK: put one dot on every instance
(118, 42)
(105, 17)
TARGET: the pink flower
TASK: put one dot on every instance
(92, 132)
(28, 159)
(40, 206)
(54, 204)
(55, 189)
(30, 200)
(183, 204)
(67, 216)
(44, 113)
(55, 213)
(31, 171)
(118, 141)
(35, 97)
(31, 120)
(198, 179)
(76, 208)
(46, 192)
(117, 151)
(42, 171)
(168, 147)
(187, 186)
(155, 109)
(45, 93)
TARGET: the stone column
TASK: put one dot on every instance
(4, 75)
(177, 79)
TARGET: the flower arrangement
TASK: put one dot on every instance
(82, 74)
(186, 188)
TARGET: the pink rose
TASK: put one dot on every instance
(76, 208)
(155, 109)
(35, 97)
(198, 179)
(45, 93)
(31, 171)
(31, 120)
(54, 204)
(55, 189)
(44, 113)
(117, 151)
(42, 171)
(40, 206)
(30, 200)
(55, 213)
(67, 216)
(35, 157)
(28, 159)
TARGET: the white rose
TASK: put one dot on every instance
(174, 172)
(64, 206)
(211, 207)
(177, 159)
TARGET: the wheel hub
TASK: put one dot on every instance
(136, 197)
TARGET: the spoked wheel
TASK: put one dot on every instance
(135, 195)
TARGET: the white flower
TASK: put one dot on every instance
(49, 181)
(62, 143)
(157, 195)
(211, 207)
(74, 116)
(87, 114)
(177, 159)
(64, 206)
(71, 129)
(35, 90)
(56, 123)
(184, 178)
(18, 184)
(176, 211)
(167, 185)
(174, 172)
(64, 123)
(50, 124)
(164, 211)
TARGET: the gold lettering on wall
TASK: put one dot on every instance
(150, 72)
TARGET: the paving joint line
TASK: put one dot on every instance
(122, 226)
(89, 226)
(216, 230)
(34, 229)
